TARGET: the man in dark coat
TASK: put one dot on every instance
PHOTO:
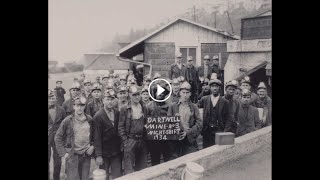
(74, 93)
(265, 103)
(60, 93)
(56, 115)
(177, 69)
(216, 113)
(214, 64)
(156, 148)
(191, 75)
(205, 70)
(74, 141)
(205, 89)
(234, 105)
(96, 104)
(106, 139)
(132, 132)
(248, 116)
(191, 122)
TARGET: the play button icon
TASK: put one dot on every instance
(160, 89)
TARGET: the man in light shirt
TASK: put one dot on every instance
(216, 113)
(191, 122)
(74, 141)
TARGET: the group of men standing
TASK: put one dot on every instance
(106, 120)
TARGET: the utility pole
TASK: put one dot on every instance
(230, 22)
(194, 14)
(215, 19)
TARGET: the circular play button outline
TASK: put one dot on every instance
(169, 92)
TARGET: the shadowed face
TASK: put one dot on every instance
(262, 93)
(245, 99)
(74, 92)
(108, 102)
(79, 108)
(96, 94)
(215, 89)
(52, 100)
(145, 96)
(184, 95)
(179, 60)
(135, 97)
(237, 94)
(230, 90)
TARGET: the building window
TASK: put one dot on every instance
(188, 51)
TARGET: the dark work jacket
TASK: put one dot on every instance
(234, 106)
(191, 76)
(175, 72)
(106, 139)
(195, 122)
(60, 95)
(54, 125)
(64, 137)
(68, 106)
(154, 109)
(223, 113)
(201, 71)
(266, 104)
(126, 118)
(91, 110)
(247, 125)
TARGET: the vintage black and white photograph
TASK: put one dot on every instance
(159, 89)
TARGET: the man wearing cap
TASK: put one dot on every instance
(245, 84)
(74, 141)
(147, 80)
(191, 122)
(234, 105)
(60, 93)
(106, 139)
(265, 103)
(237, 93)
(145, 96)
(56, 115)
(248, 115)
(74, 93)
(156, 148)
(81, 79)
(130, 75)
(215, 113)
(96, 104)
(104, 80)
(205, 70)
(177, 69)
(116, 79)
(87, 90)
(139, 74)
(132, 132)
(123, 80)
(205, 88)
(122, 96)
(214, 64)
(191, 75)
(98, 80)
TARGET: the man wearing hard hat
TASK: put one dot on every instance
(192, 77)
(191, 122)
(178, 68)
(215, 113)
(74, 93)
(248, 115)
(264, 102)
(56, 115)
(74, 141)
(87, 90)
(132, 132)
(234, 106)
(106, 140)
(96, 104)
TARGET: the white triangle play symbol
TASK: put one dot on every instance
(159, 90)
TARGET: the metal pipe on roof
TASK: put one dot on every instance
(132, 61)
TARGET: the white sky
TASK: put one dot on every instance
(80, 26)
